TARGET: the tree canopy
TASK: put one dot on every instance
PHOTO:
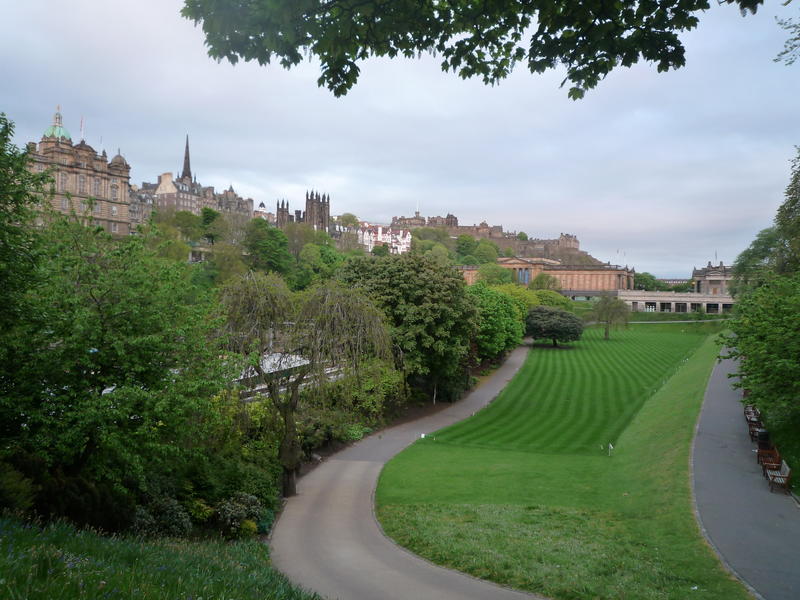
(432, 320)
(611, 312)
(553, 324)
(473, 39)
(500, 325)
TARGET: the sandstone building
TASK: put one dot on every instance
(712, 279)
(84, 181)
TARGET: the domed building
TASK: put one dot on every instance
(85, 182)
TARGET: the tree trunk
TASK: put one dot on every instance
(289, 482)
(555, 343)
(608, 327)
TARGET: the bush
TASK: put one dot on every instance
(235, 511)
(163, 516)
(16, 491)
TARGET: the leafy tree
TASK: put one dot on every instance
(545, 281)
(554, 299)
(787, 224)
(611, 312)
(486, 252)
(469, 260)
(293, 341)
(756, 262)
(682, 288)
(348, 220)
(766, 341)
(114, 367)
(268, 247)
(791, 48)
(431, 319)
(226, 262)
(439, 252)
(509, 252)
(300, 234)
(525, 298)
(553, 324)
(434, 234)
(647, 281)
(465, 245)
(213, 224)
(499, 324)
(20, 191)
(522, 236)
(473, 39)
(381, 250)
(494, 274)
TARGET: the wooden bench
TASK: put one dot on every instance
(769, 459)
(781, 478)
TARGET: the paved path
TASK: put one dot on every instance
(756, 532)
(327, 538)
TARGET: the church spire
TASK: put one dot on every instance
(187, 171)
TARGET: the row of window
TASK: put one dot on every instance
(82, 207)
(97, 186)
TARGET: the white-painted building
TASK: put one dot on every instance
(398, 240)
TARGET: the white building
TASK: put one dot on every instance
(398, 240)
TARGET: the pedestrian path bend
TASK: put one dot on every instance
(328, 540)
(756, 532)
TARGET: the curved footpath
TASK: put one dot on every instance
(756, 532)
(327, 538)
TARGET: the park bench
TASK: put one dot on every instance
(769, 459)
(780, 478)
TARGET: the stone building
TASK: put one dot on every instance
(261, 212)
(574, 280)
(84, 181)
(317, 213)
(712, 279)
(185, 193)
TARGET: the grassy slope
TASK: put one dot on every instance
(569, 522)
(58, 562)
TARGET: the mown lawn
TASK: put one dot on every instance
(58, 562)
(524, 495)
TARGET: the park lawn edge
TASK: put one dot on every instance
(663, 506)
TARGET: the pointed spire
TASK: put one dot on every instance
(187, 171)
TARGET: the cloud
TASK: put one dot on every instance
(664, 168)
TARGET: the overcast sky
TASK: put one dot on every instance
(659, 171)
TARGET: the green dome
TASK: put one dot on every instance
(57, 129)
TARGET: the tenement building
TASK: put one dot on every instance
(186, 194)
(85, 182)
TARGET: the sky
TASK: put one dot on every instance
(659, 171)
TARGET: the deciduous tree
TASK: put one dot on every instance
(500, 325)
(473, 39)
(553, 324)
(611, 312)
(294, 342)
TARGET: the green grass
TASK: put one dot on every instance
(522, 493)
(58, 562)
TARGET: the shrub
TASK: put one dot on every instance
(16, 491)
(233, 512)
(163, 516)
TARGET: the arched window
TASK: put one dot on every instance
(114, 191)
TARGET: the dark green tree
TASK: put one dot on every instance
(431, 319)
(20, 191)
(381, 250)
(755, 263)
(465, 245)
(610, 312)
(268, 247)
(787, 224)
(547, 322)
(115, 364)
(647, 281)
(522, 236)
(473, 39)
(486, 252)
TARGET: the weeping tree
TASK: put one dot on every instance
(293, 342)
(611, 312)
